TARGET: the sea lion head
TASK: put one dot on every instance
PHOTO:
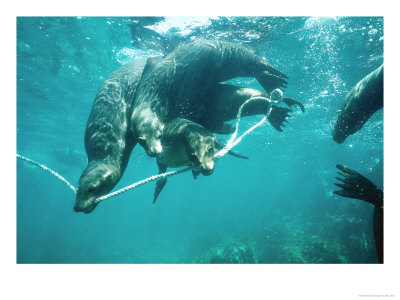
(350, 119)
(148, 129)
(201, 149)
(97, 180)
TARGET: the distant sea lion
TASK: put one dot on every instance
(187, 81)
(354, 185)
(108, 140)
(364, 99)
(187, 143)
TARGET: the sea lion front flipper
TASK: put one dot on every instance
(195, 173)
(354, 185)
(161, 182)
(293, 103)
(219, 146)
(278, 115)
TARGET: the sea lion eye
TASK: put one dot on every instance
(210, 151)
(93, 189)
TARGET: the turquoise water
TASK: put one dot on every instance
(276, 207)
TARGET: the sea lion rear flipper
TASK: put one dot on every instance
(293, 103)
(218, 146)
(277, 116)
(271, 82)
(161, 182)
(354, 185)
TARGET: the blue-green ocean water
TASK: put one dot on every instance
(276, 207)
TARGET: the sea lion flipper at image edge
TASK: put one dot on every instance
(354, 185)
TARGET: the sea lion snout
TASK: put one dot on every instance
(338, 136)
(97, 180)
(151, 145)
(207, 168)
(154, 148)
(84, 206)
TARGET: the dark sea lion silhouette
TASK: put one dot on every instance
(364, 99)
(187, 81)
(354, 185)
(187, 143)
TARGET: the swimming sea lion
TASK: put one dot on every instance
(176, 86)
(364, 99)
(185, 83)
(187, 143)
(354, 185)
(108, 139)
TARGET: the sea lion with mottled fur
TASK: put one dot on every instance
(108, 139)
(187, 82)
(187, 143)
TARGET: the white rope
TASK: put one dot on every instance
(48, 170)
(230, 144)
(136, 184)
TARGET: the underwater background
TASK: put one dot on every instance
(276, 207)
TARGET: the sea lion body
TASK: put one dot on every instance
(136, 100)
(108, 140)
(186, 143)
(186, 82)
(364, 99)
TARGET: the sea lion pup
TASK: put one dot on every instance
(179, 85)
(187, 143)
(364, 99)
(108, 139)
(354, 185)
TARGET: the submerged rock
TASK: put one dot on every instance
(230, 253)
